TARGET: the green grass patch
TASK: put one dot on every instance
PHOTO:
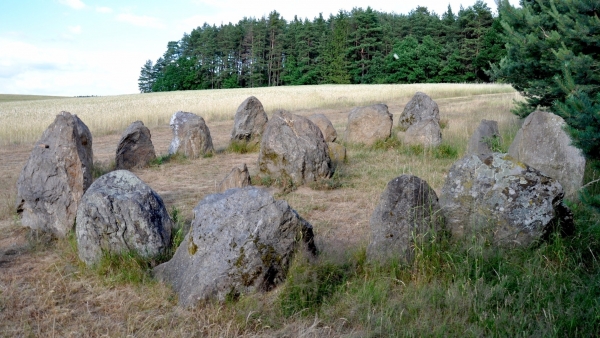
(176, 158)
(243, 147)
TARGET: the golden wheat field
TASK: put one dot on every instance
(46, 291)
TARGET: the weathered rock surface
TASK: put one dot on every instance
(241, 241)
(58, 172)
(426, 132)
(369, 124)
(420, 107)
(543, 144)
(509, 201)
(239, 177)
(408, 214)
(325, 126)
(337, 152)
(120, 213)
(250, 121)
(191, 136)
(293, 147)
(485, 139)
(135, 149)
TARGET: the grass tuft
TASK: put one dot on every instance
(243, 147)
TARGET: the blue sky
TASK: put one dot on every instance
(86, 47)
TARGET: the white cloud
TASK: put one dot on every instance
(142, 21)
(104, 9)
(75, 29)
(37, 69)
(75, 4)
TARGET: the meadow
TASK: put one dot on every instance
(453, 288)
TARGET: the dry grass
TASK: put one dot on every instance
(47, 292)
(106, 115)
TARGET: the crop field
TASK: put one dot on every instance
(452, 289)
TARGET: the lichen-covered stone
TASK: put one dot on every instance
(325, 126)
(509, 201)
(368, 125)
(135, 149)
(240, 242)
(58, 172)
(120, 213)
(238, 177)
(485, 139)
(293, 148)
(250, 121)
(191, 136)
(408, 214)
(420, 107)
(543, 144)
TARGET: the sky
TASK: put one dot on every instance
(86, 47)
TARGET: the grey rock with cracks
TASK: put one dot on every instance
(240, 242)
(56, 175)
(191, 136)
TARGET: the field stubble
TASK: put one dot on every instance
(47, 291)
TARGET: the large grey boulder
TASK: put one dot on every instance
(238, 177)
(120, 213)
(426, 132)
(505, 200)
(58, 172)
(369, 124)
(293, 147)
(485, 139)
(241, 241)
(420, 107)
(543, 144)
(250, 121)
(191, 136)
(325, 126)
(135, 149)
(408, 214)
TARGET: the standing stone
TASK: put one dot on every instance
(58, 172)
(543, 144)
(408, 214)
(250, 121)
(507, 201)
(426, 132)
(369, 124)
(325, 126)
(135, 148)
(191, 136)
(485, 140)
(120, 213)
(239, 177)
(337, 152)
(241, 241)
(418, 108)
(293, 148)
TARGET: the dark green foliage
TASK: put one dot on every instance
(351, 47)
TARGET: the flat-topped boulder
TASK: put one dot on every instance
(293, 148)
(240, 242)
(368, 125)
(118, 214)
(250, 121)
(420, 107)
(543, 144)
(191, 136)
(135, 149)
(426, 132)
(57, 173)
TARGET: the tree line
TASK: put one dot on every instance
(362, 46)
